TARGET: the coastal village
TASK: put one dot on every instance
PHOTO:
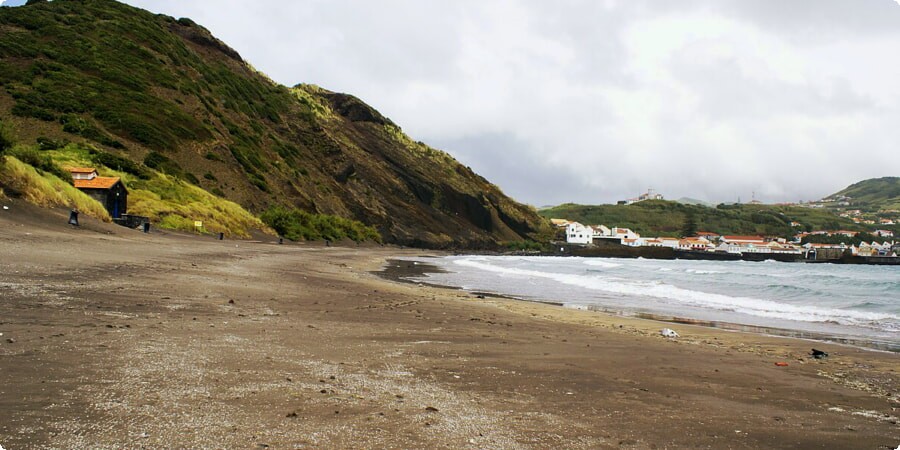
(706, 241)
(710, 245)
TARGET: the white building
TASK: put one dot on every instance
(624, 233)
(668, 242)
(636, 242)
(577, 233)
(602, 231)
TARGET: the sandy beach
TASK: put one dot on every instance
(112, 338)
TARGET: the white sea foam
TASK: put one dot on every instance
(704, 272)
(671, 294)
(599, 263)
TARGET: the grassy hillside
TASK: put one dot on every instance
(872, 195)
(46, 189)
(165, 95)
(665, 218)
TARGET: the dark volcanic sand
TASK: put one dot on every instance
(126, 340)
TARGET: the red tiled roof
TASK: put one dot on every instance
(742, 238)
(97, 183)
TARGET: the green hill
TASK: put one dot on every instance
(666, 218)
(137, 94)
(871, 195)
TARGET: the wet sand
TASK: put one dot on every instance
(117, 339)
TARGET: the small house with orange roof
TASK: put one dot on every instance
(109, 191)
(695, 244)
(708, 235)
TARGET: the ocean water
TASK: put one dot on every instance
(852, 303)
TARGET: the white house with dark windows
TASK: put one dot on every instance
(577, 233)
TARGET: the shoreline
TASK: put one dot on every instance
(163, 340)
(667, 253)
(405, 271)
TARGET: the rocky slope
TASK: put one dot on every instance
(165, 93)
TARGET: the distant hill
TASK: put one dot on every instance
(667, 218)
(148, 93)
(872, 195)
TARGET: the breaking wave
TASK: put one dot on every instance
(638, 287)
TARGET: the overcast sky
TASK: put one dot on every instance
(595, 101)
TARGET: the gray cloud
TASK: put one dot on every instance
(814, 20)
(595, 101)
(525, 173)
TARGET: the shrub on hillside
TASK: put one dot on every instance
(299, 225)
(45, 143)
(164, 164)
(41, 162)
(6, 139)
(81, 127)
(119, 163)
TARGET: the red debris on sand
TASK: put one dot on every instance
(781, 364)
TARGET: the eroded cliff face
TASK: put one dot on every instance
(144, 86)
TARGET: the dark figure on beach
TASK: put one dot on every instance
(73, 217)
(818, 354)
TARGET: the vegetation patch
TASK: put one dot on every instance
(315, 107)
(81, 127)
(174, 204)
(119, 163)
(164, 164)
(6, 138)
(299, 225)
(45, 143)
(42, 162)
